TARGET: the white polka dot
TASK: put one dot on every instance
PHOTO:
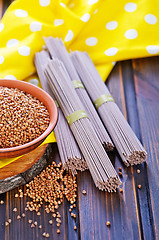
(112, 25)
(130, 7)
(11, 77)
(151, 19)
(24, 50)
(131, 34)
(44, 3)
(85, 17)
(111, 51)
(152, 49)
(69, 36)
(58, 22)
(12, 43)
(21, 13)
(34, 81)
(113, 63)
(1, 59)
(92, 41)
(35, 26)
(95, 11)
(62, 4)
(90, 2)
(1, 27)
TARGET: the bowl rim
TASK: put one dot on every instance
(53, 116)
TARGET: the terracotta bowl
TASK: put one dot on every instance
(51, 107)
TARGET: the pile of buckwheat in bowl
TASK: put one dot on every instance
(23, 117)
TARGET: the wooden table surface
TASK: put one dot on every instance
(133, 214)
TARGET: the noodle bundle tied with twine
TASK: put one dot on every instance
(58, 50)
(103, 173)
(70, 154)
(129, 147)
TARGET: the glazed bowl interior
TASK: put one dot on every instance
(51, 107)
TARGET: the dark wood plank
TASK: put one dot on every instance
(96, 208)
(142, 195)
(146, 73)
(128, 204)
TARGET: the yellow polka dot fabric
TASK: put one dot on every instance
(109, 30)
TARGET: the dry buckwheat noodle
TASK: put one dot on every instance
(70, 154)
(57, 49)
(103, 173)
(126, 142)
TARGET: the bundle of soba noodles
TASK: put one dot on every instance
(70, 154)
(126, 142)
(57, 49)
(100, 166)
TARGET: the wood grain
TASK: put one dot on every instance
(22, 164)
(24, 169)
(146, 73)
(134, 213)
